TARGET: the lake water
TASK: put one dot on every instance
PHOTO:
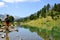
(24, 34)
(31, 33)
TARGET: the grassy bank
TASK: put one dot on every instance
(46, 26)
(44, 23)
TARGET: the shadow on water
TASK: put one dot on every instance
(53, 34)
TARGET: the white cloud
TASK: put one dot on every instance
(2, 4)
(8, 0)
(27, 0)
(11, 1)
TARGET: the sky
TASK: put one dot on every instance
(23, 8)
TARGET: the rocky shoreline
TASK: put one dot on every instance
(2, 29)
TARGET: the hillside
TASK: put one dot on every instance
(2, 17)
(45, 23)
(46, 18)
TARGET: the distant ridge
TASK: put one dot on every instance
(3, 16)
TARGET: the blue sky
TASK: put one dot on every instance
(23, 8)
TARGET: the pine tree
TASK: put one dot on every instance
(48, 7)
(55, 7)
(43, 12)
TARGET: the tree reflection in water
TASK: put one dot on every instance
(46, 34)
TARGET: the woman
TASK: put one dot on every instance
(7, 22)
(6, 25)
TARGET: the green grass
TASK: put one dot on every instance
(46, 26)
(45, 23)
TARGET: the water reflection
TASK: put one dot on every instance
(45, 34)
(7, 38)
(32, 33)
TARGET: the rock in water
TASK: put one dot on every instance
(2, 36)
